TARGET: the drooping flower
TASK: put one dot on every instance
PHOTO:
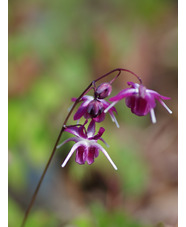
(103, 90)
(140, 100)
(93, 108)
(86, 146)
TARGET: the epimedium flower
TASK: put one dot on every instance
(93, 107)
(140, 100)
(86, 146)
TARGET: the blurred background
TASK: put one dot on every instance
(56, 48)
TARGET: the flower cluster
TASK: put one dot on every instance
(137, 97)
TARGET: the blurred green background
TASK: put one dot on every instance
(56, 48)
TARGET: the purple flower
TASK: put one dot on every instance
(140, 100)
(103, 90)
(86, 146)
(94, 108)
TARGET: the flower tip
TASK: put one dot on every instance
(153, 117)
(117, 125)
(170, 111)
(63, 165)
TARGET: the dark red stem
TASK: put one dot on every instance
(119, 71)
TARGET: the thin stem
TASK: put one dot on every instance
(115, 77)
(129, 71)
(41, 179)
(51, 156)
(62, 130)
(119, 69)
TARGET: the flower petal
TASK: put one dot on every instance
(87, 98)
(130, 101)
(105, 103)
(82, 131)
(123, 94)
(78, 131)
(84, 98)
(151, 100)
(91, 129)
(138, 105)
(70, 139)
(76, 145)
(106, 154)
(95, 108)
(159, 97)
(81, 110)
(100, 117)
(111, 106)
(92, 153)
(81, 154)
(104, 142)
(153, 117)
(73, 130)
(113, 118)
(98, 135)
(165, 106)
(133, 85)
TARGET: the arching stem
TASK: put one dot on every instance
(51, 156)
(90, 86)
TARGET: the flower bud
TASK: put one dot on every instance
(103, 90)
(95, 108)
